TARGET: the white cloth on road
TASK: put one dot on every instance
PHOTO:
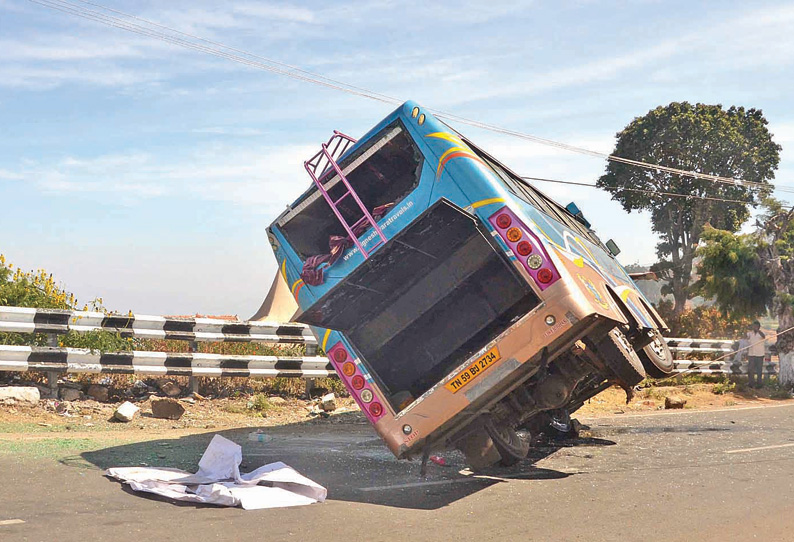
(218, 481)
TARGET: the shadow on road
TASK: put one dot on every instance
(346, 456)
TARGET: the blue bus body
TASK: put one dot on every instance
(453, 180)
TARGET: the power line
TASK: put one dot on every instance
(256, 61)
(654, 192)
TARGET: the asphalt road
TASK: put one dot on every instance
(705, 476)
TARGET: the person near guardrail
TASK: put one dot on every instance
(755, 354)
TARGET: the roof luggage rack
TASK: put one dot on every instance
(320, 166)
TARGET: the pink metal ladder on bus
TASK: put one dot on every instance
(328, 156)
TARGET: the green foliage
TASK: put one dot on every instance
(731, 272)
(31, 289)
(780, 392)
(723, 387)
(705, 138)
(38, 289)
(260, 403)
(750, 273)
(707, 322)
(102, 341)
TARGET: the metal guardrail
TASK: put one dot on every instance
(709, 346)
(56, 361)
(80, 360)
(27, 320)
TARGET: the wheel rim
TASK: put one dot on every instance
(658, 347)
(508, 441)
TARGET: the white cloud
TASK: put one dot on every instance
(45, 78)
(754, 39)
(65, 48)
(229, 130)
(263, 179)
(278, 12)
(10, 176)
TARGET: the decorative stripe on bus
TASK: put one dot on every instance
(484, 202)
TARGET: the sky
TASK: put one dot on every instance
(146, 174)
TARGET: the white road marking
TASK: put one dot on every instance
(10, 522)
(773, 447)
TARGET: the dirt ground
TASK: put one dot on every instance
(89, 416)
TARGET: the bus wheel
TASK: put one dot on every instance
(618, 355)
(511, 445)
(479, 450)
(656, 357)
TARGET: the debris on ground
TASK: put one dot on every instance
(167, 408)
(98, 392)
(328, 402)
(438, 460)
(218, 481)
(25, 395)
(674, 401)
(259, 436)
(66, 409)
(126, 412)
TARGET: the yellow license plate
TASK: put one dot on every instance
(473, 371)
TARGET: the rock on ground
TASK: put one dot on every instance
(69, 394)
(329, 402)
(28, 395)
(125, 412)
(98, 392)
(674, 401)
(169, 388)
(167, 408)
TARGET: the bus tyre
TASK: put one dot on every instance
(479, 450)
(512, 446)
(656, 357)
(619, 357)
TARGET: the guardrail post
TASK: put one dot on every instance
(311, 350)
(193, 381)
(52, 376)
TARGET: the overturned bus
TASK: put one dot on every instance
(460, 306)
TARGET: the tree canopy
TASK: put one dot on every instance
(731, 272)
(750, 273)
(702, 138)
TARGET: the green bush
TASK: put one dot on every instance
(724, 387)
(703, 322)
(260, 403)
